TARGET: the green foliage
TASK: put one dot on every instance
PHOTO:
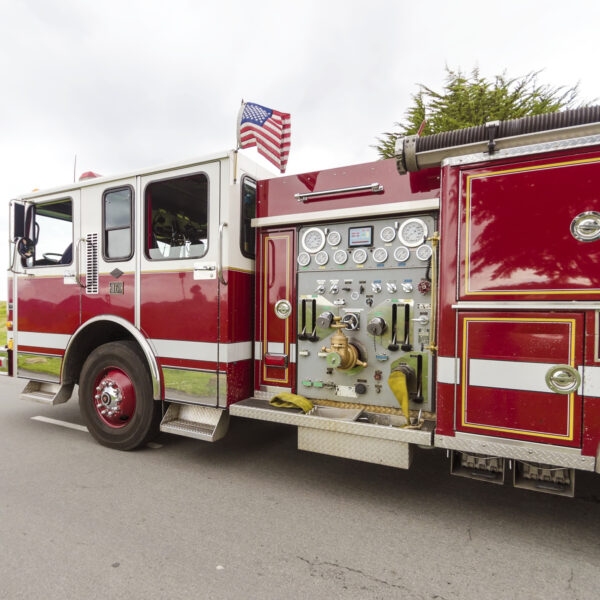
(468, 100)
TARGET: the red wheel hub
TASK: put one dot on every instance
(114, 397)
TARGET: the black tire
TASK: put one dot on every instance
(121, 360)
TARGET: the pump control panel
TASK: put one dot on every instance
(364, 311)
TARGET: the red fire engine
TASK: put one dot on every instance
(446, 299)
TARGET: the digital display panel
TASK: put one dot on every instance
(360, 236)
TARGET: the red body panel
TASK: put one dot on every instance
(47, 305)
(105, 303)
(276, 196)
(177, 307)
(515, 240)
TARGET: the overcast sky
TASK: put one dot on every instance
(129, 84)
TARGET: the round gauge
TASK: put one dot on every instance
(401, 254)
(412, 232)
(359, 256)
(322, 258)
(388, 234)
(313, 240)
(303, 259)
(424, 252)
(340, 257)
(380, 255)
(334, 238)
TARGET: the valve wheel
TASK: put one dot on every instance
(114, 397)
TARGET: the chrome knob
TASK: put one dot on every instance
(391, 287)
(407, 288)
(376, 287)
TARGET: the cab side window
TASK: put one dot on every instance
(52, 233)
(177, 218)
(247, 232)
(117, 212)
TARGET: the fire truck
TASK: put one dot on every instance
(445, 299)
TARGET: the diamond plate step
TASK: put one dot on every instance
(47, 393)
(198, 422)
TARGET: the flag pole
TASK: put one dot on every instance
(235, 152)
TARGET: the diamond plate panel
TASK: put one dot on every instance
(551, 455)
(373, 450)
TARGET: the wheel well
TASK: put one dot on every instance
(87, 340)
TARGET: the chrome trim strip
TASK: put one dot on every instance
(371, 187)
(139, 338)
(596, 335)
(533, 305)
(516, 449)
(349, 213)
(179, 385)
(448, 370)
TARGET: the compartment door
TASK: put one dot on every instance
(275, 334)
(517, 371)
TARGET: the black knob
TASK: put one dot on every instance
(360, 388)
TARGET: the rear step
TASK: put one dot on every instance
(198, 422)
(47, 393)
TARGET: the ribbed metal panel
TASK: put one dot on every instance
(512, 127)
(91, 280)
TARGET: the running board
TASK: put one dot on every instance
(355, 434)
(47, 393)
(198, 422)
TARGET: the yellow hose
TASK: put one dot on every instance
(397, 383)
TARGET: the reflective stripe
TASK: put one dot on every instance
(257, 350)
(207, 351)
(42, 340)
(275, 347)
(448, 369)
(591, 381)
(509, 375)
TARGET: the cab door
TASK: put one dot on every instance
(47, 301)
(179, 284)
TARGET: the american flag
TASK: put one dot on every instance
(268, 130)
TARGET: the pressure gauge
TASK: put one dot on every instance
(412, 232)
(334, 238)
(340, 257)
(303, 259)
(401, 254)
(380, 255)
(313, 240)
(388, 234)
(424, 252)
(322, 258)
(359, 256)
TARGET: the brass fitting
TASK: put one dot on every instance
(342, 354)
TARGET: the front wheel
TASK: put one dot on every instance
(115, 397)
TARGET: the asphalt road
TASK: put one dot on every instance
(253, 517)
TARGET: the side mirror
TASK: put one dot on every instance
(25, 247)
(18, 221)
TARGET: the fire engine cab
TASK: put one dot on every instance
(448, 298)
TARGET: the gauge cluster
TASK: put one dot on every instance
(371, 245)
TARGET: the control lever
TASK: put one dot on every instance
(313, 337)
(406, 346)
(394, 346)
(302, 335)
(419, 395)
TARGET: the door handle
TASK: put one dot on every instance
(563, 379)
(77, 260)
(220, 262)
